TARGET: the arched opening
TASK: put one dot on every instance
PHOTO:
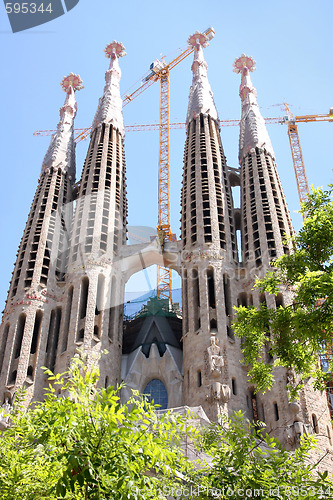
(19, 335)
(36, 333)
(53, 338)
(100, 294)
(156, 393)
(68, 318)
(3, 345)
(211, 287)
(84, 297)
(196, 299)
(142, 286)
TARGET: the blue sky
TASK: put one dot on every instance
(291, 42)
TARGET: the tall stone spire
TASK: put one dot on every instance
(209, 246)
(253, 132)
(201, 98)
(34, 304)
(110, 105)
(94, 290)
(61, 151)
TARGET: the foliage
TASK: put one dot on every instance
(86, 445)
(297, 333)
(248, 463)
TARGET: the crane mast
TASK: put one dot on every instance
(164, 275)
(297, 156)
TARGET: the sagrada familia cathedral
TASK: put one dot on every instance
(67, 289)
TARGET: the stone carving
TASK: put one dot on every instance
(294, 405)
(295, 431)
(219, 392)
(5, 412)
(214, 358)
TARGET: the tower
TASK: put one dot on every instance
(25, 339)
(94, 286)
(209, 250)
(265, 227)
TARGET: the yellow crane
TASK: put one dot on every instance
(295, 146)
(161, 71)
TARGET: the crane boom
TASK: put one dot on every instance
(296, 150)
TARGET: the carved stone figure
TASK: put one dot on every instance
(5, 412)
(214, 357)
(295, 431)
(219, 392)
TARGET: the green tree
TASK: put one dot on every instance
(295, 334)
(85, 444)
(248, 463)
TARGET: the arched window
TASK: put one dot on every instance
(156, 391)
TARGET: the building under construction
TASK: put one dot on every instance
(67, 288)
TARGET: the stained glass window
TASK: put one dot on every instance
(156, 391)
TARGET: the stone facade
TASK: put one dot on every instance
(73, 263)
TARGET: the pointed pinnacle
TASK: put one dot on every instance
(73, 81)
(244, 62)
(114, 48)
(198, 39)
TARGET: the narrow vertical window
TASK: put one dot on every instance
(226, 289)
(196, 299)
(53, 337)
(67, 318)
(50, 333)
(185, 305)
(315, 424)
(199, 378)
(36, 333)
(3, 345)
(234, 386)
(100, 294)
(56, 338)
(112, 310)
(19, 335)
(276, 411)
(329, 435)
(211, 288)
(84, 297)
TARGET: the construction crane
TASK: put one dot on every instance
(296, 150)
(161, 71)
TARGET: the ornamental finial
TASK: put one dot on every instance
(73, 81)
(114, 48)
(244, 62)
(198, 39)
